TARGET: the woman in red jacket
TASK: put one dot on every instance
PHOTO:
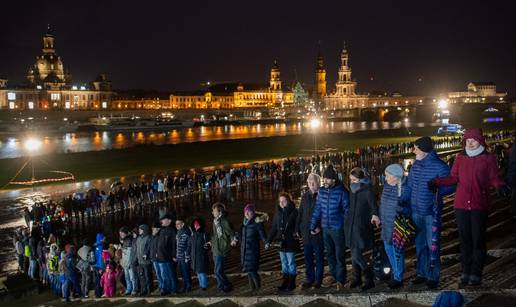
(474, 172)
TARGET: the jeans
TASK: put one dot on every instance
(358, 259)
(168, 274)
(203, 280)
(33, 267)
(85, 282)
(97, 274)
(314, 253)
(158, 275)
(335, 246)
(71, 281)
(472, 226)
(185, 274)
(222, 279)
(397, 261)
(288, 263)
(145, 278)
(130, 281)
(423, 225)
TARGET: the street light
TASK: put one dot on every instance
(442, 104)
(315, 123)
(32, 145)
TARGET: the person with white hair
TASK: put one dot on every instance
(313, 245)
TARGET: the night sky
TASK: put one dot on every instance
(403, 46)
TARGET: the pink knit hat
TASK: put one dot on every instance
(249, 207)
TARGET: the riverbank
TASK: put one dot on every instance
(152, 159)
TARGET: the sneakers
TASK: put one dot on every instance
(419, 280)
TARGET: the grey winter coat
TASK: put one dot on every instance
(143, 244)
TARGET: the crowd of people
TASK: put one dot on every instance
(340, 210)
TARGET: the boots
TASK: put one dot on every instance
(291, 283)
(284, 283)
(252, 286)
(257, 283)
(369, 279)
(357, 277)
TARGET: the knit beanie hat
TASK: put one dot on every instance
(476, 134)
(425, 144)
(395, 170)
(358, 173)
(249, 207)
(330, 173)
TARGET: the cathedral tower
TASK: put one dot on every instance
(320, 77)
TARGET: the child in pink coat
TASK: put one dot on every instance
(108, 281)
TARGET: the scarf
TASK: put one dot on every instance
(475, 152)
(218, 227)
(246, 221)
(436, 230)
(356, 186)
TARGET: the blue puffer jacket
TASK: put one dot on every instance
(98, 252)
(330, 208)
(420, 197)
(184, 244)
(390, 206)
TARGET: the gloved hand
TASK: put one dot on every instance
(432, 185)
(503, 191)
(267, 245)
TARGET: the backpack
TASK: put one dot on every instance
(54, 264)
(27, 250)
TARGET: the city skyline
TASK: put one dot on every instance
(178, 54)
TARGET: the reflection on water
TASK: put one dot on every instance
(12, 147)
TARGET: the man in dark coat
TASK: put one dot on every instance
(199, 252)
(282, 235)
(358, 226)
(165, 253)
(313, 245)
(251, 232)
(330, 210)
(182, 258)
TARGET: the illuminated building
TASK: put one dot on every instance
(345, 96)
(237, 95)
(478, 92)
(49, 86)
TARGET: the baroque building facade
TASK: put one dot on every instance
(345, 96)
(49, 86)
(237, 95)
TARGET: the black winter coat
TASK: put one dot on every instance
(357, 223)
(304, 219)
(154, 247)
(166, 250)
(250, 236)
(283, 228)
(199, 254)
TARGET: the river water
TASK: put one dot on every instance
(13, 146)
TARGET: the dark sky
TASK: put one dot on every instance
(176, 45)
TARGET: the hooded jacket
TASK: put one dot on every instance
(99, 261)
(473, 176)
(199, 250)
(222, 235)
(251, 232)
(143, 246)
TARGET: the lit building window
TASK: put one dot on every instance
(55, 96)
(31, 105)
(11, 105)
(104, 104)
(67, 104)
(11, 96)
